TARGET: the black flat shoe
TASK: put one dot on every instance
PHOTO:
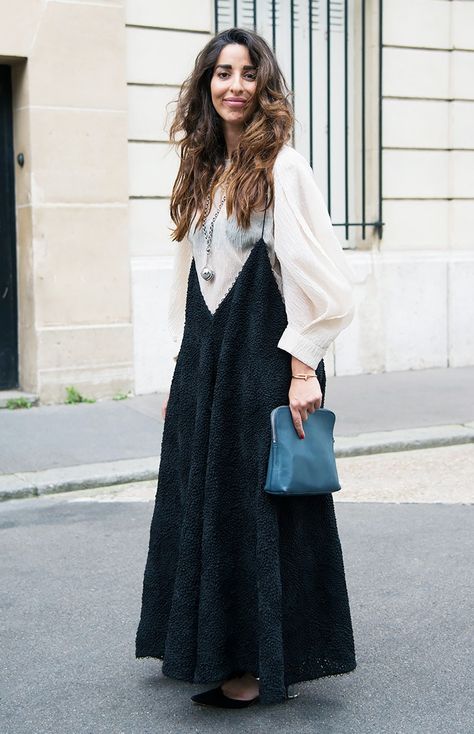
(289, 696)
(216, 697)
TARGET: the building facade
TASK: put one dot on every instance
(385, 113)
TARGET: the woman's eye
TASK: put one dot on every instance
(247, 77)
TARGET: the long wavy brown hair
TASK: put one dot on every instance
(197, 132)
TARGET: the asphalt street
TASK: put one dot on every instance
(72, 569)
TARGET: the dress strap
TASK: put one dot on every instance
(264, 216)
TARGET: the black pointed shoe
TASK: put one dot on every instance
(217, 698)
(290, 696)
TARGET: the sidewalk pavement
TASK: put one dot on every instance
(56, 448)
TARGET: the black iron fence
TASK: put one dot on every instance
(331, 54)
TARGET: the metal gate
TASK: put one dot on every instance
(333, 65)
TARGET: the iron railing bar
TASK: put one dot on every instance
(292, 44)
(216, 16)
(236, 11)
(292, 58)
(346, 120)
(254, 9)
(310, 54)
(328, 90)
(380, 91)
(363, 114)
(274, 24)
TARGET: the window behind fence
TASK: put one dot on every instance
(330, 52)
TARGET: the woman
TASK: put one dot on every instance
(242, 587)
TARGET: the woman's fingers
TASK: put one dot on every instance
(300, 414)
(297, 421)
(304, 398)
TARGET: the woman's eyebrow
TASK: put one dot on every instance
(229, 66)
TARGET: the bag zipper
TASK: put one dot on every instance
(273, 425)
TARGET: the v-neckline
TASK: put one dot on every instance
(226, 297)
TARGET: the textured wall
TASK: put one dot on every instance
(68, 61)
(415, 291)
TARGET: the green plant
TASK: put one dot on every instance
(74, 396)
(120, 396)
(16, 403)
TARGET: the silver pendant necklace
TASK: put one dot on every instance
(207, 273)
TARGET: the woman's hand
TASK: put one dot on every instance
(163, 407)
(305, 396)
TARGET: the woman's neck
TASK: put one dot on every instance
(232, 135)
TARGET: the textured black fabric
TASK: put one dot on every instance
(238, 580)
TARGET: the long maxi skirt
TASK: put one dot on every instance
(236, 579)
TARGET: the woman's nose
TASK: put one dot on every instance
(236, 84)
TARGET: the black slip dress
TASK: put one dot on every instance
(236, 579)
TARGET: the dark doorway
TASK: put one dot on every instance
(8, 290)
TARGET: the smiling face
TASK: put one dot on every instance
(233, 85)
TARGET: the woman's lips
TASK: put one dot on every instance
(236, 103)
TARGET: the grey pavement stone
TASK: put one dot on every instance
(58, 447)
(14, 486)
(64, 479)
(402, 440)
(390, 401)
(70, 595)
(66, 435)
(422, 476)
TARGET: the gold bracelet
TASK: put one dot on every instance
(303, 377)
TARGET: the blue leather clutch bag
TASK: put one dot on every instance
(302, 466)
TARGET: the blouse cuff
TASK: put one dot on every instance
(301, 347)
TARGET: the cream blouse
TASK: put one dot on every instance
(306, 257)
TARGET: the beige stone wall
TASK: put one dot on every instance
(91, 82)
(163, 40)
(415, 306)
(428, 123)
(70, 122)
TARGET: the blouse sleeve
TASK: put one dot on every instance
(177, 301)
(317, 282)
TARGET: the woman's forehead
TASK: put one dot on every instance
(234, 55)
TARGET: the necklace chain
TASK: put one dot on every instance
(207, 272)
(209, 232)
